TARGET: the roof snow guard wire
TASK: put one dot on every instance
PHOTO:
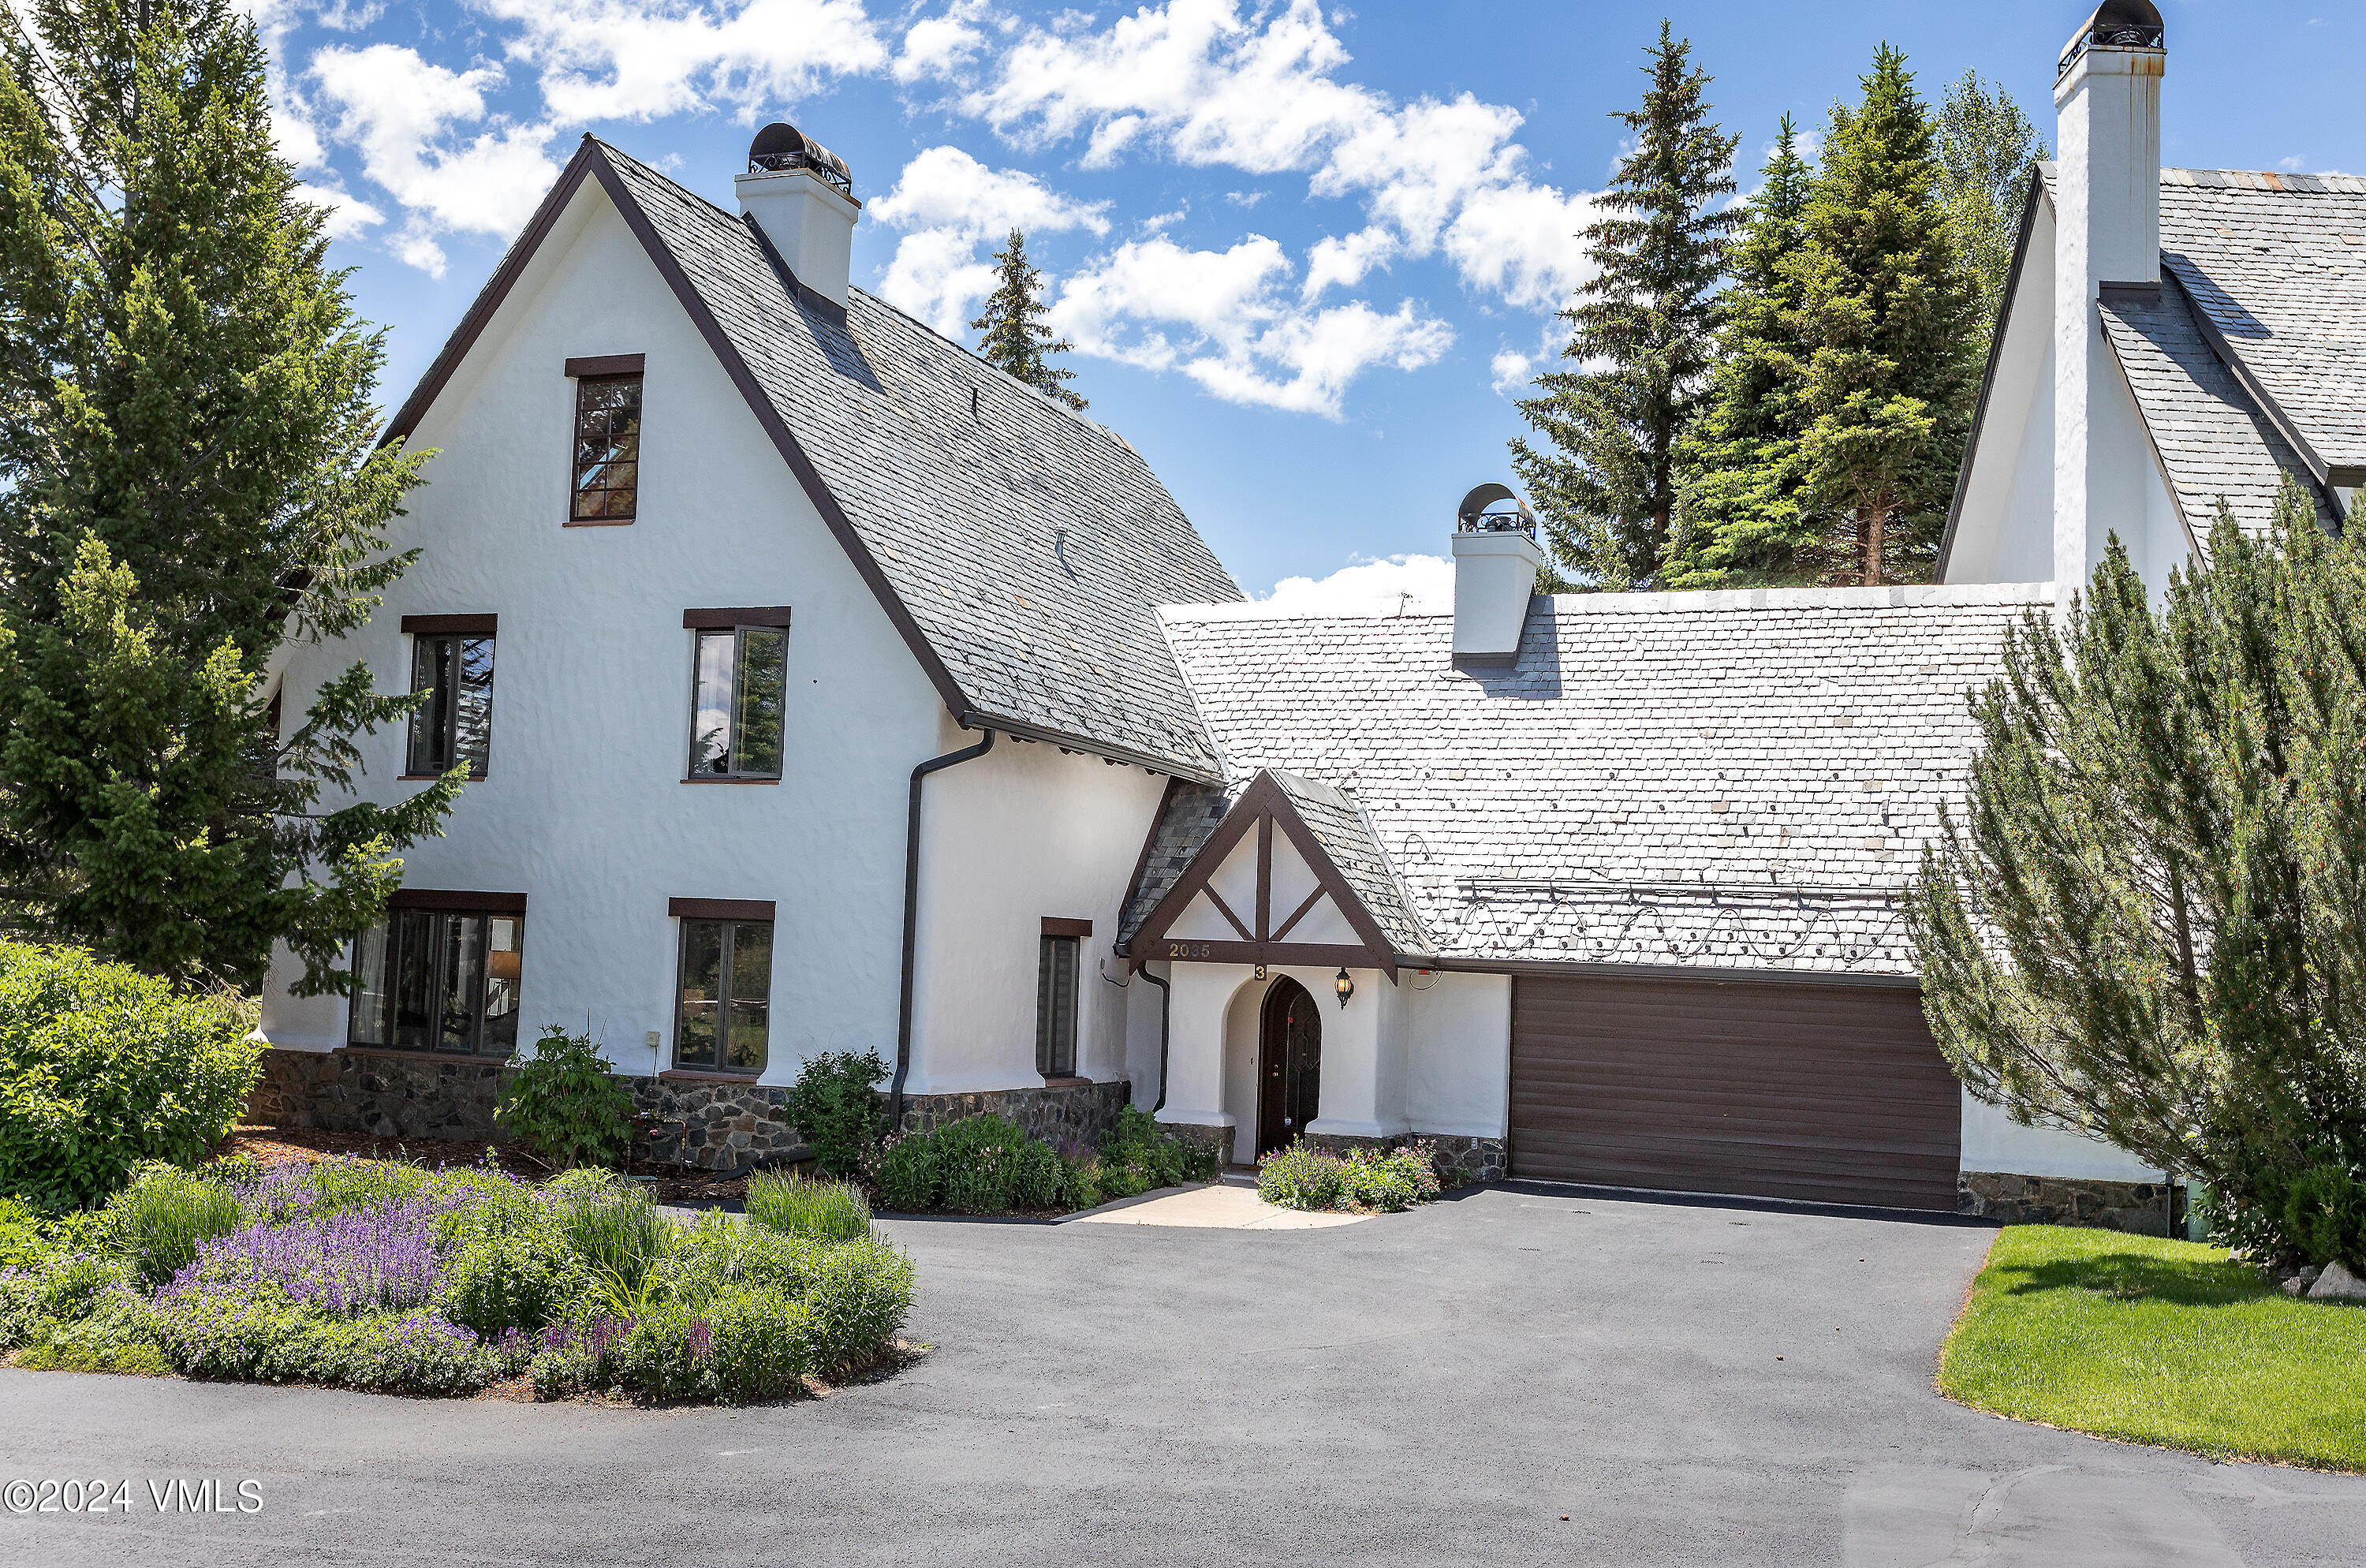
(780, 147)
(1472, 517)
(2116, 24)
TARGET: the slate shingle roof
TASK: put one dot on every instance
(1186, 818)
(1028, 545)
(1705, 780)
(1339, 825)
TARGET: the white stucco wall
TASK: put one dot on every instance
(1458, 1040)
(1020, 834)
(584, 809)
(1992, 1141)
(2004, 531)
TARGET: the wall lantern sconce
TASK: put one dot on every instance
(1344, 987)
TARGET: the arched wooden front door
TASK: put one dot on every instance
(1290, 1066)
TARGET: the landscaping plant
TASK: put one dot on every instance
(983, 1165)
(797, 1205)
(102, 1067)
(389, 1276)
(2149, 925)
(565, 1105)
(1300, 1177)
(835, 1105)
(1368, 1181)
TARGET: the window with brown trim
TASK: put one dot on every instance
(1056, 959)
(607, 448)
(738, 703)
(723, 1010)
(443, 979)
(455, 724)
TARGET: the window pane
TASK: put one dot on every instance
(702, 993)
(427, 723)
(607, 448)
(751, 993)
(504, 939)
(368, 1026)
(472, 704)
(415, 979)
(464, 949)
(1056, 1007)
(763, 683)
(710, 718)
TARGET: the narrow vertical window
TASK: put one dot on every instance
(739, 707)
(1056, 1007)
(443, 980)
(723, 1022)
(607, 448)
(455, 673)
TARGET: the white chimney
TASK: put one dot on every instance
(1495, 563)
(2107, 235)
(802, 196)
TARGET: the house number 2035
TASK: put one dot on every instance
(1187, 950)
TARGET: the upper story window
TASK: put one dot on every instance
(1058, 959)
(452, 663)
(441, 973)
(607, 482)
(723, 1014)
(739, 691)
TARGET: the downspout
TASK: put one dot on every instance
(912, 914)
(1165, 1014)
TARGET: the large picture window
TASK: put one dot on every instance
(452, 666)
(722, 1015)
(607, 448)
(739, 690)
(440, 979)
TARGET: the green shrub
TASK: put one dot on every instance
(586, 1181)
(1300, 1177)
(825, 1211)
(721, 1253)
(1042, 1175)
(511, 1271)
(2324, 1215)
(101, 1068)
(1380, 1182)
(1080, 1184)
(563, 1104)
(977, 1164)
(906, 1173)
(159, 1220)
(1121, 1180)
(24, 1240)
(334, 1185)
(1155, 1157)
(857, 1296)
(835, 1107)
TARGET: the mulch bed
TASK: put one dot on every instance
(305, 1145)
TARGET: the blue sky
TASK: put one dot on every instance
(1309, 253)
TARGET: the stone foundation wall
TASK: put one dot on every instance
(713, 1124)
(1458, 1161)
(1057, 1114)
(2142, 1207)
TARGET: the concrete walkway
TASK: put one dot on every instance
(1214, 1207)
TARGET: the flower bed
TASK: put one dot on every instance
(986, 1164)
(1366, 1181)
(388, 1276)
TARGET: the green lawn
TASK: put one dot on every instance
(2157, 1341)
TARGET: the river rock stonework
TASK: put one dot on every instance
(2142, 1207)
(1074, 1113)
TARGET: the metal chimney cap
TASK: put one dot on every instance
(2121, 24)
(780, 147)
(1472, 517)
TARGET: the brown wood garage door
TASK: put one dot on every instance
(1830, 1094)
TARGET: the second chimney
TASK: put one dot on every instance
(802, 195)
(1495, 563)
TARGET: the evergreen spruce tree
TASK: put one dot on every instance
(1016, 338)
(1988, 150)
(1739, 521)
(1890, 321)
(2150, 923)
(1604, 481)
(189, 478)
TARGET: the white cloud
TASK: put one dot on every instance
(1391, 585)
(396, 108)
(1520, 241)
(640, 59)
(1224, 319)
(951, 203)
(1346, 259)
(941, 47)
(1511, 370)
(349, 216)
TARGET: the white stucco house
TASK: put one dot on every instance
(831, 691)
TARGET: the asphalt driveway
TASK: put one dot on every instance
(1688, 1384)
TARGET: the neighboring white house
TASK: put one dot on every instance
(915, 695)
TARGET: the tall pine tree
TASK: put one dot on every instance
(1741, 521)
(1890, 319)
(1016, 338)
(189, 478)
(1604, 481)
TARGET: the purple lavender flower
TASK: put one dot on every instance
(356, 1260)
(701, 1340)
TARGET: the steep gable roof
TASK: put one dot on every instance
(1737, 781)
(1019, 549)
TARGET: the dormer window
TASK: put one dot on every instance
(607, 484)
